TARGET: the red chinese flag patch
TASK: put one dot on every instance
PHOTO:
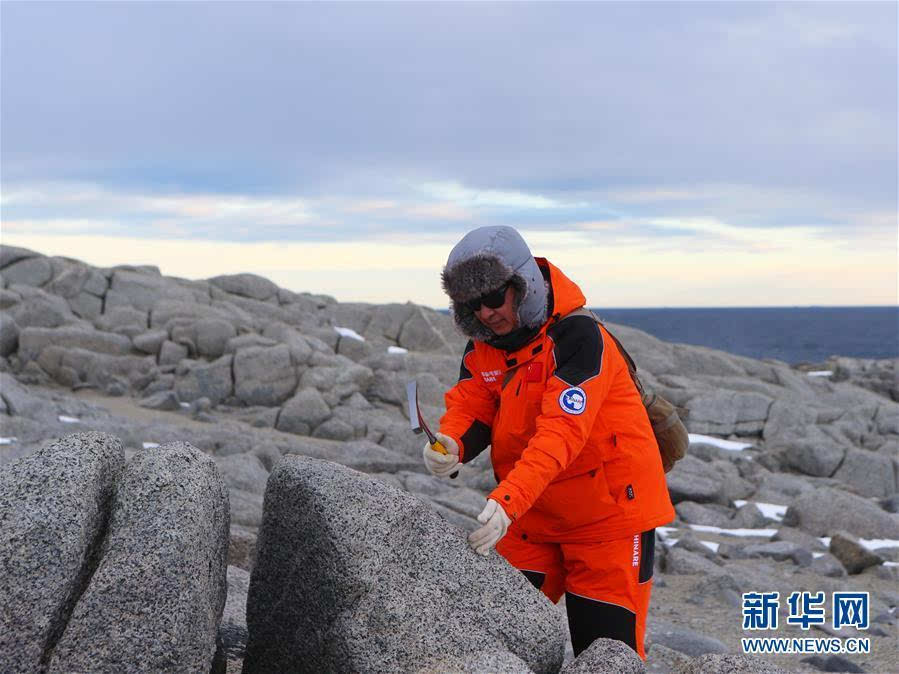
(534, 372)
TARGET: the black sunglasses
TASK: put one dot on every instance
(492, 300)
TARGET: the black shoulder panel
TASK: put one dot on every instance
(464, 372)
(578, 349)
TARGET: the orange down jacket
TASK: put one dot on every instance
(572, 448)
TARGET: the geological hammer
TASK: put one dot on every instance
(418, 423)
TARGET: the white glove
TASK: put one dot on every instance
(442, 465)
(495, 522)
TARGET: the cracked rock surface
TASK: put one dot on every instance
(105, 565)
(54, 506)
(350, 574)
(157, 594)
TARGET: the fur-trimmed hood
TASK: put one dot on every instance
(484, 260)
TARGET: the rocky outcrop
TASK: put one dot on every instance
(54, 507)
(144, 288)
(9, 334)
(880, 376)
(157, 595)
(867, 472)
(198, 379)
(264, 375)
(271, 355)
(246, 285)
(350, 573)
(104, 565)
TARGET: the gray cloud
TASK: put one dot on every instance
(567, 101)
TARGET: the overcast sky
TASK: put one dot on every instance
(664, 154)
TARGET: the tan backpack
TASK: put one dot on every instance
(671, 434)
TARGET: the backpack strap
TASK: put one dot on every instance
(669, 431)
(631, 365)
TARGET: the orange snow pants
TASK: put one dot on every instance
(606, 585)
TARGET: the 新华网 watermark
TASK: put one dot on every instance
(806, 609)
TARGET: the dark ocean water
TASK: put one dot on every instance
(791, 334)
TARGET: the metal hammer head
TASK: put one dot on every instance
(415, 419)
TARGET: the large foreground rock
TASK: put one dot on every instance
(354, 575)
(53, 510)
(156, 598)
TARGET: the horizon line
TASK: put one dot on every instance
(753, 306)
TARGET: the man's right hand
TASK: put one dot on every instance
(442, 465)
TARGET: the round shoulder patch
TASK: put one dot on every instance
(573, 400)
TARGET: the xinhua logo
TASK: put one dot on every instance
(806, 609)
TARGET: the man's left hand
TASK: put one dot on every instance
(495, 522)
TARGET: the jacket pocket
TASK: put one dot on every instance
(507, 418)
(622, 468)
(530, 402)
(520, 406)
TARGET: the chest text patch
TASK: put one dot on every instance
(573, 400)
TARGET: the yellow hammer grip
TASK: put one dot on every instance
(438, 447)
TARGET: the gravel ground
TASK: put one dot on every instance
(675, 600)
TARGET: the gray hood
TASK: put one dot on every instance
(484, 260)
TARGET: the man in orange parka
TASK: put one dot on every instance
(580, 481)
